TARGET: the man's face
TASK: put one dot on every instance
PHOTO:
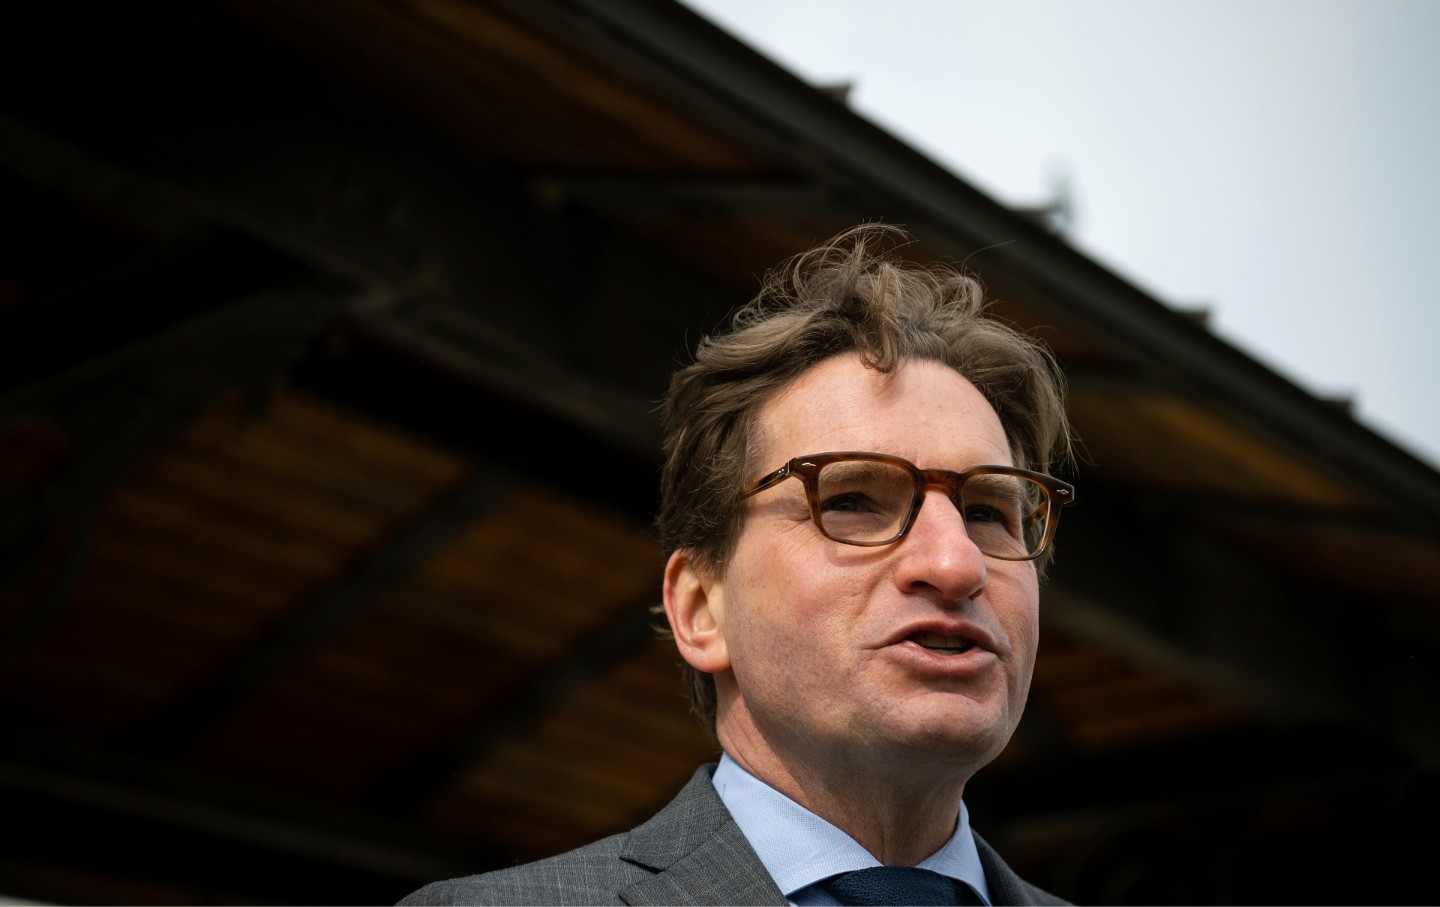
(921, 650)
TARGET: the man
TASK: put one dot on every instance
(857, 513)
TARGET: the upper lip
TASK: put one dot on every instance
(964, 629)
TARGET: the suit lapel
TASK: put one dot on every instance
(724, 870)
(698, 856)
(1005, 886)
(697, 853)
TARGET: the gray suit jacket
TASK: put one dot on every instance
(691, 852)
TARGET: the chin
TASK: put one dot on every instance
(956, 742)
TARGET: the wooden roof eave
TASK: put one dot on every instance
(684, 56)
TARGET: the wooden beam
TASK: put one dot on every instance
(90, 808)
(407, 788)
(172, 729)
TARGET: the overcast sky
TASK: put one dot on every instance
(1272, 161)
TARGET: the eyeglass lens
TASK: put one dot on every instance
(867, 501)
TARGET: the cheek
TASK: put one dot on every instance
(1017, 603)
(792, 609)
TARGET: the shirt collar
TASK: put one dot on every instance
(799, 848)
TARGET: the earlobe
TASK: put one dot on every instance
(694, 605)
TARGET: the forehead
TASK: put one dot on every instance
(924, 411)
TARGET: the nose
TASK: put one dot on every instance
(938, 554)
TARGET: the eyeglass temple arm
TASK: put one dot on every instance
(765, 482)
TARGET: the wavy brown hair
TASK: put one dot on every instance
(851, 294)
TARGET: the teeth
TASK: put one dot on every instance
(950, 644)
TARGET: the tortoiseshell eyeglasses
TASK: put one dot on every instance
(872, 499)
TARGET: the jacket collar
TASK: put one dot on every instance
(699, 856)
(697, 853)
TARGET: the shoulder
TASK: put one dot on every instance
(690, 852)
(590, 875)
(1040, 896)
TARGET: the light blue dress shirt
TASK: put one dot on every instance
(800, 849)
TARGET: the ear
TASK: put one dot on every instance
(694, 605)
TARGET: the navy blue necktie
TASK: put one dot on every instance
(886, 885)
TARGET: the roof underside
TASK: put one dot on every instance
(332, 337)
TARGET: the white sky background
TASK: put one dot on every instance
(1272, 161)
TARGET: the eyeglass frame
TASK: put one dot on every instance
(1058, 494)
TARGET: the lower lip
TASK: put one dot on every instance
(969, 663)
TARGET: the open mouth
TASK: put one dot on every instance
(945, 645)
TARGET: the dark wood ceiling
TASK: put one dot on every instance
(332, 334)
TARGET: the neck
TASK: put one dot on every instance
(893, 808)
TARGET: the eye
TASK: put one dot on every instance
(983, 513)
(850, 502)
(1002, 515)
